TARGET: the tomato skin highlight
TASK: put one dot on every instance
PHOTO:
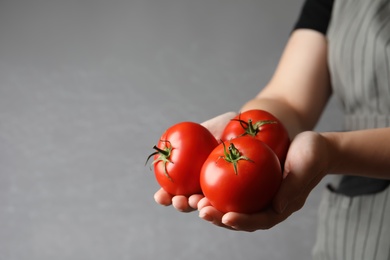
(250, 189)
(273, 134)
(190, 144)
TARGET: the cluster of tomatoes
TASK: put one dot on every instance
(241, 173)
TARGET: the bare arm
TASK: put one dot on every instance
(300, 87)
(364, 152)
(297, 95)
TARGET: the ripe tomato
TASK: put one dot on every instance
(180, 154)
(261, 125)
(241, 176)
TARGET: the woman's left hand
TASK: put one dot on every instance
(306, 164)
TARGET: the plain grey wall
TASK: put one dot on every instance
(87, 87)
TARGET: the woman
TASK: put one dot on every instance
(340, 47)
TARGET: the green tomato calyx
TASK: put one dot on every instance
(233, 155)
(164, 156)
(251, 128)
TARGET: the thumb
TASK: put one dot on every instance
(294, 190)
(282, 198)
(290, 189)
(305, 166)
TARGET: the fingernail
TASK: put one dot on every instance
(205, 216)
(229, 223)
(285, 173)
(282, 206)
(226, 221)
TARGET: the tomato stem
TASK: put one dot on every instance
(164, 155)
(251, 128)
(233, 156)
(165, 152)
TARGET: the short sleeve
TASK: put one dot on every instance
(315, 14)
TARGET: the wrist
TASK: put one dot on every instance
(332, 140)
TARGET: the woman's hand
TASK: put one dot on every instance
(306, 164)
(216, 126)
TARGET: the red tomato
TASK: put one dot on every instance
(179, 157)
(261, 125)
(241, 176)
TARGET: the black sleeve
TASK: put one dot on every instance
(315, 14)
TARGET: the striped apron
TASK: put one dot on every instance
(358, 227)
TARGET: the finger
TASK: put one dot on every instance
(162, 197)
(193, 200)
(204, 202)
(252, 222)
(207, 213)
(181, 203)
(212, 215)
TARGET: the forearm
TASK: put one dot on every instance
(300, 87)
(363, 153)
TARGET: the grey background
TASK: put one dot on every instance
(87, 87)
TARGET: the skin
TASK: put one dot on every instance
(297, 95)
